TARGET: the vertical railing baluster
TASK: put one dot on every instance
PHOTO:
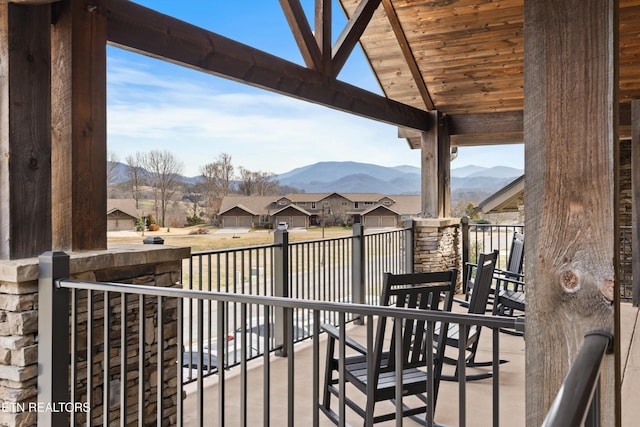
(221, 361)
(123, 359)
(89, 354)
(74, 353)
(141, 359)
(316, 370)
(266, 394)
(495, 377)
(106, 383)
(160, 363)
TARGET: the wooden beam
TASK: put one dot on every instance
(408, 54)
(323, 24)
(436, 169)
(25, 131)
(351, 34)
(145, 31)
(302, 33)
(79, 157)
(570, 128)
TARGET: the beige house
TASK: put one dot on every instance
(121, 215)
(305, 210)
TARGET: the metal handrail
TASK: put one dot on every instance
(362, 309)
(577, 402)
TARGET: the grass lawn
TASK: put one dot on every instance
(216, 239)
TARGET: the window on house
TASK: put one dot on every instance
(313, 205)
(356, 205)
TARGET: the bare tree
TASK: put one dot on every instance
(217, 177)
(257, 183)
(135, 173)
(163, 168)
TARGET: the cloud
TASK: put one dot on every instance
(153, 104)
(199, 118)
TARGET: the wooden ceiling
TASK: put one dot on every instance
(464, 57)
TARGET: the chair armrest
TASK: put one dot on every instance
(504, 283)
(334, 333)
(501, 272)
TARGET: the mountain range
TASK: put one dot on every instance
(354, 177)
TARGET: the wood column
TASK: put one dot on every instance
(436, 169)
(570, 129)
(25, 136)
(79, 155)
(635, 199)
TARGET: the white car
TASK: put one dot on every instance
(282, 226)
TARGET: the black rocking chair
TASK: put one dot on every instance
(425, 291)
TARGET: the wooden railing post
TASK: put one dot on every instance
(53, 338)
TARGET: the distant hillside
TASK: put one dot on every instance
(473, 183)
(368, 178)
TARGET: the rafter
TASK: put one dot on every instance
(139, 29)
(302, 33)
(352, 33)
(408, 54)
(323, 24)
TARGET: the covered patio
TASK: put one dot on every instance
(560, 77)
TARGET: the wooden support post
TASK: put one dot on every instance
(436, 169)
(25, 136)
(570, 129)
(79, 156)
(635, 200)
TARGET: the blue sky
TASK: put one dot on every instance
(157, 105)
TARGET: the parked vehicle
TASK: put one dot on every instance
(282, 226)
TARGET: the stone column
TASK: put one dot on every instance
(437, 245)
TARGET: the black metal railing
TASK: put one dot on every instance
(343, 269)
(484, 238)
(125, 366)
(625, 275)
(478, 238)
(578, 400)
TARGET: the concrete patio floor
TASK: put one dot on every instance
(479, 393)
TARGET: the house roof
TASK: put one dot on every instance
(294, 207)
(257, 204)
(507, 199)
(127, 206)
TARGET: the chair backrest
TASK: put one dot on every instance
(516, 257)
(425, 291)
(482, 282)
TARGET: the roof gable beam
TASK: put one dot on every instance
(352, 33)
(408, 54)
(302, 33)
(142, 30)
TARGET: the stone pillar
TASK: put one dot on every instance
(437, 245)
(153, 265)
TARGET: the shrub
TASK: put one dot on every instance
(194, 220)
(199, 231)
(154, 227)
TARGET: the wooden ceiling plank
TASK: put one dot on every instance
(352, 32)
(408, 54)
(302, 33)
(139, 29)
